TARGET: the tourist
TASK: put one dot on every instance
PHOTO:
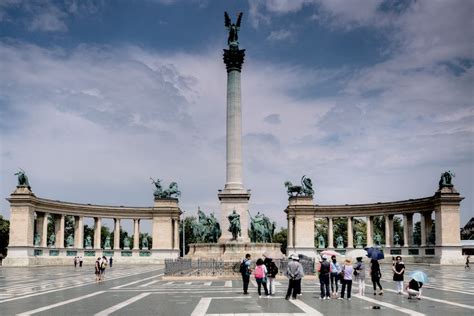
(324, 272)
(75, 261)
(346, 280)
(81, 259)
(97, 269)
(359, 272)
(398, 273)
(261, 277)
(376, 275)
(272, 273)
(414, 289)
(294, 272)
(467, 267)
(103, 264)
(111, 260)
(246, 271)
(335, 270)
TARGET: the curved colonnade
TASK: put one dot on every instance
(445, 203)
(29, 214)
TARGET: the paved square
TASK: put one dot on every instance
(140, 290)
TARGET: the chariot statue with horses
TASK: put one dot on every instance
(171, 193)
(305, 189)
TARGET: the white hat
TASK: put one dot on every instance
(324, 257)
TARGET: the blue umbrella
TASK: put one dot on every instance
(419, 276)
(375, 253)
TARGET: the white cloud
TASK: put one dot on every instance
(280, 35)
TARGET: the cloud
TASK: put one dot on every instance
(280, 35)
(272, 119)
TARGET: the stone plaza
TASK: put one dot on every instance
(143, 290)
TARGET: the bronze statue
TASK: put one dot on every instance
(233, 39)
(22, 179)
(52, 240)
(88, 241)
(377, 239)
(171, 193)
(306, 187)
(446, 179)
(340, 241)
(234, 227)
(70, 241)
(321, 242)
(107, 242)
(144, 243)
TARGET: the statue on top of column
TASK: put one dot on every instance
(446, 179)
(171, 193)
(22, 179)
(305, 189)
(233, 39)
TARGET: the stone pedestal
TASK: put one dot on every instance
(233, 251)
(300, 214)
(165, 229)
(230, 202)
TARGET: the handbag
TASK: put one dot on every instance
(264, 280)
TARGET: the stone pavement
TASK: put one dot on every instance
(140, 290)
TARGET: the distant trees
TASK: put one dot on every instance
(4, 235)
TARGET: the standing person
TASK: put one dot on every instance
(261, 277)
(246, 271)
(111, 260)
(359, 272)
(97, 269)
(81, 259)
(294, 272)
(346, 281)
(467, 267)
(376, 275)
(335, 270)
(324, 272)
(398, 273)
(103, 264)
(75, 262)
(414, 289)
(272, 273)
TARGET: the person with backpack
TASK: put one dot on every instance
(246, 271)
(335, 270)
(324, 272)
(261, 277)
(376, 275)
(294, 272)
(103, 265)
(359, 272)
(272, 273)
(97, 269)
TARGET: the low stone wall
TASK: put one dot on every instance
(233, 251)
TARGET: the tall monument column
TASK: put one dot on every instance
(234, 196)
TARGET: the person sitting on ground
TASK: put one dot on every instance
(414, 289)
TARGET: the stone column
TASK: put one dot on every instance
(330, 233)
(423, 229)
(176, 234)
(44, 233)
(388, 230)
(117, 233)
(40, 219)
(165, 212)
(350, 233)
(136, 233)
(59, 231)
(97, 232)
(290, 243)
(429, 227)
(407, 230)
(370, 238)
(79, 232)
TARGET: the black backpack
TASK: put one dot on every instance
(243, 267)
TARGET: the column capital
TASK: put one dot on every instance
(234, 59)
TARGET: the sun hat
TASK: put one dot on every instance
(348, 261)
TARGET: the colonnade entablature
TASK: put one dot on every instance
(30, 243)
(445, 204)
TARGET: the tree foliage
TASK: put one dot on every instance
(281, 237)
(4, 235)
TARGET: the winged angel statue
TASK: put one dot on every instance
(233, 39)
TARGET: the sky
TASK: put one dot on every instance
(371, 99)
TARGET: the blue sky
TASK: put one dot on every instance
(371, 99)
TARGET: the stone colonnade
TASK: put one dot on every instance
(301, 214)
(27, 249)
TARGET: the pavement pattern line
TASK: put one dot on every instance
(45, 308)
(228, 284)
(423, 297)
(389, 305)
(149, 283)
(305, 308)
(121, 305)
(135, 282)
(70, 287)
(201, 307)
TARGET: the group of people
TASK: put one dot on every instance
(100, 265)
(78, 260)
(331, 273)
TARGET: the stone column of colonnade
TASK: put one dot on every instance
(426, 224)
(136, 233)
(330, 233)
(116, 233)
(370, 231)
(350, 233)
(388, 230)
(290, 237)
(59, 230)
(97, 232)
(79, 232)
(408, 230)
(44, 231)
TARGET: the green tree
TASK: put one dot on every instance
(281, 237)
(417, 233)
(189, 237)
(4, 235)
